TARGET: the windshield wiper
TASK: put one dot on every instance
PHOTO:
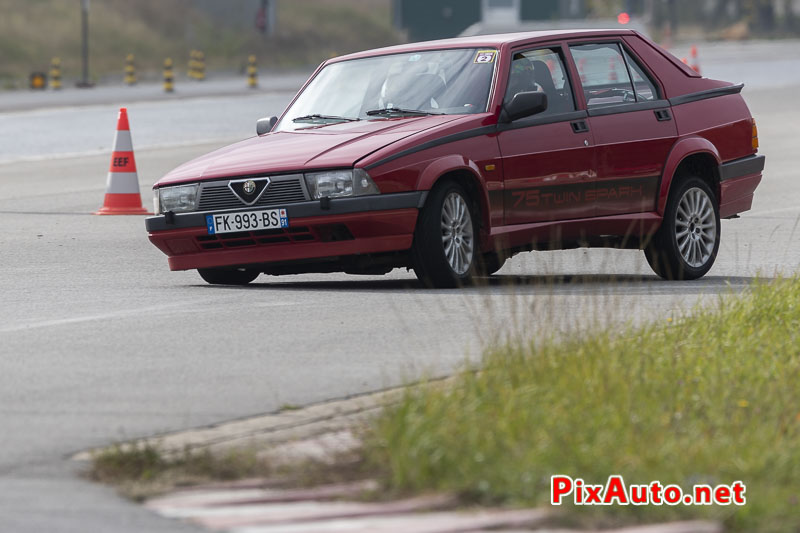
(323, 118)
(399, 111)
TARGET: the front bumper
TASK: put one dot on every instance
(319, 229)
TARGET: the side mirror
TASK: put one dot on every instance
(265, 125)
(523, 105)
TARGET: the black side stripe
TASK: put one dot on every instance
(484, 130)
(704, 95)
(468, 134)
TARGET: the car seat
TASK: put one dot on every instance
(542, 76)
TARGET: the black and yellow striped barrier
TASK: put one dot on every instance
(201, 66)
(192, 72)
(169, 76)
(55, 73)
(130, 70)
(197, 65)
(252, 72)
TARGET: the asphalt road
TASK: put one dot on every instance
(80, 131)
(100, 342)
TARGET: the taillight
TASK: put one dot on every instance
(755, 135)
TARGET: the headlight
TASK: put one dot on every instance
(180, 198)
(340, 183)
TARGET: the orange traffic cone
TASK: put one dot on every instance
(122, 184)
(612, 70)
(695, 64)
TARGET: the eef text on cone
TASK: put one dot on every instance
(122, 184)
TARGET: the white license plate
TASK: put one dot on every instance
(246, 221)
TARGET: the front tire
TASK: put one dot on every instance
(445, 240)
(686, 244)
(228, 276)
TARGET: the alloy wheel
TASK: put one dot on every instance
(695, 227)
(457, 234)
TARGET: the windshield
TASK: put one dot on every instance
(450, 82)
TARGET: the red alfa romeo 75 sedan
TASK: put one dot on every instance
(451, 156)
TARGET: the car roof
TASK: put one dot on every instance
(488, 41)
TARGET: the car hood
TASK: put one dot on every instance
(330, 146)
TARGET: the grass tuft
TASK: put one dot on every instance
(134, 463)
(713, 397)
(141, 471)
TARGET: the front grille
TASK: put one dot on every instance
(282, 190)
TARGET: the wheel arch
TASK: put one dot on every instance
(690, 156)
(466, 173)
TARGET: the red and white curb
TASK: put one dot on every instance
(254, 510)
(245, 507)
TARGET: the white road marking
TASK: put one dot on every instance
(160, 310)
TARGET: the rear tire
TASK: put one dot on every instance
(445, 249)
(228, 276)
(686, 244)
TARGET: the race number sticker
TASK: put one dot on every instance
(485, 56)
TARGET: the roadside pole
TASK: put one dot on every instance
(265, 18)
(85, 44)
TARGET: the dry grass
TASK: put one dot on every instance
(309, 31)
(143, 471)
(711, 398)
(140, 472)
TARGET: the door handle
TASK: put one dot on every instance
(579, 126)
(663, 115)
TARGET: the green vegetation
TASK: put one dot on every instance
(710, 398)
(34, 31)
(140, 471)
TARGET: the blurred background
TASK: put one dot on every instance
(299, 34)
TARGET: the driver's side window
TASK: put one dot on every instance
(541, 70)
(603, 73)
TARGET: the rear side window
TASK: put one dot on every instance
(542, 70)
(646, 90)
(605, 78)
